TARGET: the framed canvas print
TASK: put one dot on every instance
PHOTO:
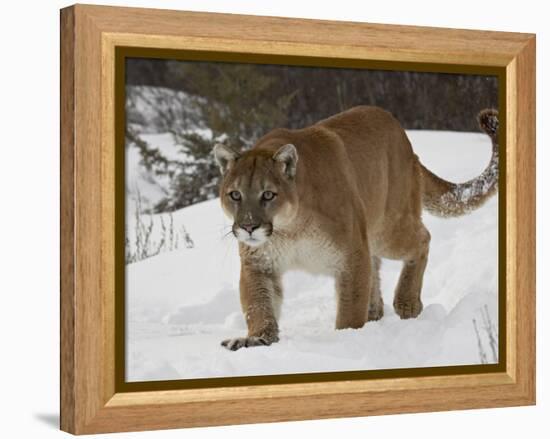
(269, 219)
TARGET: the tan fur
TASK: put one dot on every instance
(350, 191)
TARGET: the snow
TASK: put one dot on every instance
(182, 304)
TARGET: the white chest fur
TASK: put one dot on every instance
(313, 253)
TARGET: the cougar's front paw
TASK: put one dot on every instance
(408, 309)
(234, 344)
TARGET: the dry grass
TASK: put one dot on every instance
(144, 245)
(487, 339)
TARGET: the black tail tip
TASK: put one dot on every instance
(488, 121)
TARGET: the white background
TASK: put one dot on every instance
(29, 187)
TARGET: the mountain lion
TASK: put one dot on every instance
(334, 198)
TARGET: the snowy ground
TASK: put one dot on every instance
(181, 304)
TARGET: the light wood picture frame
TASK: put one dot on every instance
(94, 39)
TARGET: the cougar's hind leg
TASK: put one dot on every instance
(407, 302)
(376, 304)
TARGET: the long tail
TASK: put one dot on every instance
(446, 199)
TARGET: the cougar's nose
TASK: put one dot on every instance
(249, 227)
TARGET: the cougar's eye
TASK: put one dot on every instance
(235, 195)
(268, 195)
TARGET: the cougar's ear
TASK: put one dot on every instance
(288, 156)
(225, 157)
